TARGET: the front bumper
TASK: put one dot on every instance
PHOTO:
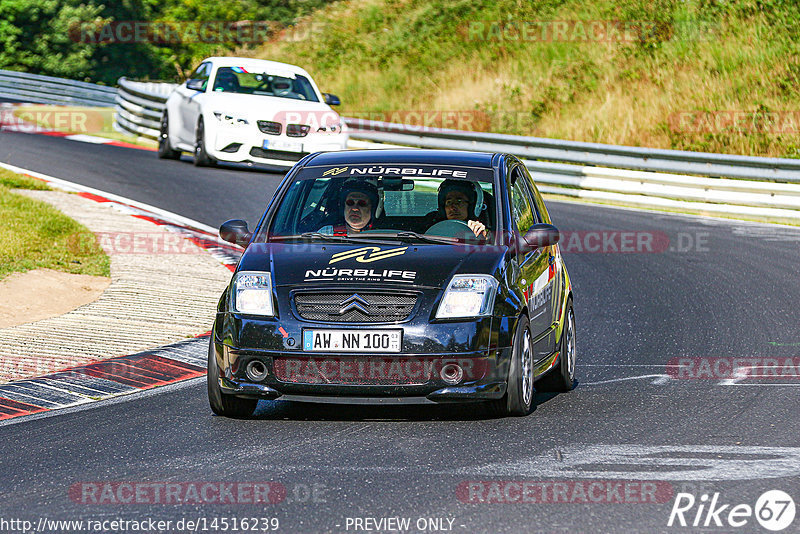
(246, 144)
(482, 376)
(438, 360)
(382, 395)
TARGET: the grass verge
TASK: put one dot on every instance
(682, 74)
(38, 236)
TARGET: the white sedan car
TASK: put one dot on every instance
(249, 110)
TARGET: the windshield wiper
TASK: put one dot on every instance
(432, 239)
(350, 238)
(320, 235)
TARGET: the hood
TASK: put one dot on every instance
(400, 264)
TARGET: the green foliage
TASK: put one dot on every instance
(34, 37)
(675, 56)
(54, 36)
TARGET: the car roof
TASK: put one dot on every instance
(404, 156)
(262, 65)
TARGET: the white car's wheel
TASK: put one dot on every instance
(165, 150)
(201, 157)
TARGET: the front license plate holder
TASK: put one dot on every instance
(280, 144)
(352, 341)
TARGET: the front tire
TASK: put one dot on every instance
(518, 399)
(222, 404)
(165, 150)
(562, 378)
(201, 157)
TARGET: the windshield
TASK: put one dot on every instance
(239, 80)
(425, 203)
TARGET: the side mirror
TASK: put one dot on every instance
(235, 231)
(541, 235)
(332, 100)
(196, 85)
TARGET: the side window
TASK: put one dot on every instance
(522, 212)
(532, 198)
(538, 203)
(202, 72)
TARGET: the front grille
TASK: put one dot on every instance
(349, 307)
(282, 155)
(269, 127)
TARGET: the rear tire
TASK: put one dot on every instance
(165, 150)
(562, 378)
(518, 399)
(201, 157)
(222, 404)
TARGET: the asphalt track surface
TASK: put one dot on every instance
(630, 418)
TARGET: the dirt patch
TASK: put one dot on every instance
(43, 293)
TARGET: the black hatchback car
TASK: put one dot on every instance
(396, 276)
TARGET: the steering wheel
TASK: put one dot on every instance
(452, 228)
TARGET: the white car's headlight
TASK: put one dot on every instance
(230, 120)
(252, 293)
(468, 295)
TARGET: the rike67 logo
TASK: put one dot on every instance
(774, 510)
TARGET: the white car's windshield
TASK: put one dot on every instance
(239, 80)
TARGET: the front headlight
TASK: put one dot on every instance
(252, 293)
(468, 295)
(230, 120)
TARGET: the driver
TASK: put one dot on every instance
(457, 201)
(226, 81)
(359, 199)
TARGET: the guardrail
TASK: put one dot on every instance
(38, 89)
(713, 183)
(140, 105)
(623, 157)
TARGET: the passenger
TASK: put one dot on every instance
(457, 200)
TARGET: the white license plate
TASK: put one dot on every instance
(280, 144)
(329, 340)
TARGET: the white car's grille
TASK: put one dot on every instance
(269, 127)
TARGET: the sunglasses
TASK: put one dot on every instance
(361, 203)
